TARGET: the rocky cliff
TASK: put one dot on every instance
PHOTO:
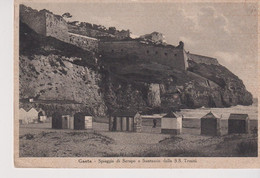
(58, 74)
(54, 72)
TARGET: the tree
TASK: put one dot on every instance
(67, 15)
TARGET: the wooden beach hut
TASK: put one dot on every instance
(210, 124)
(238, 123)
(65, 119)
(82, 121)
(125, 120)
(171, 123)
(56, 121)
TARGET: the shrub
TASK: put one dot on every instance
(29, 136)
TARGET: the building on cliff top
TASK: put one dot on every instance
(151, 47)
(154, 37)
(46, 23)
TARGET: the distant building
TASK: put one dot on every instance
(23, 116)
(32, 115)
(238, 123)
(125, 121)
(123, 34)
(154, 37)
(171, 123)
(210, 124)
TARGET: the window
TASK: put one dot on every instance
(147, 51)
(165, 54)
(122, 50)
(156, 52)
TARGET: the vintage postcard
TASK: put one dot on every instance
(136, 84)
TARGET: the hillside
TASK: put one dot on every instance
(56, 71)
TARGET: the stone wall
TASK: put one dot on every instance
(88, 31)
(49, 24)
(84, 42)
(202, 59)
(171, 56)
(34, 19)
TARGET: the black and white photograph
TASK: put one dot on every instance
(133, 79)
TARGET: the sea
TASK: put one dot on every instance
(192, 116)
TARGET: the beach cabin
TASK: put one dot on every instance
(71, 122)
(125, 120)
(22, 116)
(82, 121)
(171, 123)
(32, 115)
(238, 123)
(65, 119)
(41, 115)
(56, 121)
(210, 124)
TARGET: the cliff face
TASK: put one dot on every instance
(232, 89)
(152, 87)
(53, 71)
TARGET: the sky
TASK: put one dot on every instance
(226, 31)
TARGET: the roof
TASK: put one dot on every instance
(238, 116)
(124, 113)
(33, 110)
(211, 115)
(170, 115)
(22, 110)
